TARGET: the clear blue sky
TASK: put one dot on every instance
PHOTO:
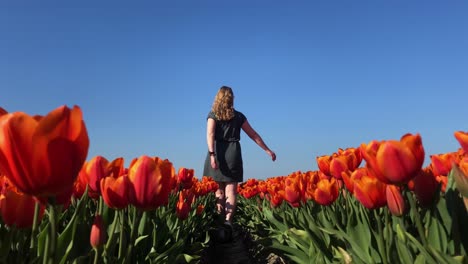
(311, 76)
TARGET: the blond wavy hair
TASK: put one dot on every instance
(223, 105)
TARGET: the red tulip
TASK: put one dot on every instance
(17, 209)
(395, 162)
(42, 156)
(185, 177)
(150, 180)
(395, 201)
(98, 234)
(425, 187)
(184, 204)
(200, 209)
(3, 111)
(93, 171)
(114, 191)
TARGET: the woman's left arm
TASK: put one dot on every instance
(210, 138)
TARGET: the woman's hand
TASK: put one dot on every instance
(213, 162)
(272, 154)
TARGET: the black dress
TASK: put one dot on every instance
(228, 150)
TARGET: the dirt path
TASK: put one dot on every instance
(238, 250)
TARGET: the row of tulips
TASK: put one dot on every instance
(391, 210)
(143, 212)
(147, 212)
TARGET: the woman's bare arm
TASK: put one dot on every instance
(257, 139)
(210, 138)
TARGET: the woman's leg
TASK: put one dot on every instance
(231, 200)
(221, 198)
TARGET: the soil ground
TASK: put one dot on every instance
(239, 248)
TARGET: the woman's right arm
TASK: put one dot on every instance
(210, 138)
(257, 139)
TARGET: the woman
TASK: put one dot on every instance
(224, 158)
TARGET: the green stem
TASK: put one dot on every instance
(100, 205)
(133, 233)
(34, 226)
(389, 234)
(46, 250)
(52, 234)
(417, 218)
(96, 255)
(380, 239)
(122, 233)
(110, 241)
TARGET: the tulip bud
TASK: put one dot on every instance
(98, 233)
(395, 201)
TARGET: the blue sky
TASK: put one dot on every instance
(311, 76)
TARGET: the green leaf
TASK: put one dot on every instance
(294, 254)
(420, 259)
(140, 238)
(41, 239)
(66, 238)
(442, 258)
(421, 248)
(143, 223)
(403, 251)
(437, 237)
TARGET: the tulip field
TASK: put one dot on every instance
(373, 203)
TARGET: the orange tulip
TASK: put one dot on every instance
(462, 138)
(370, 192)
(395, 162)
(442, 163)
(353, 156)
(150, 180)
(326, 192)
(17, 209)
(349, 177)
(42, 156)
(294, 189)
(292, 193)
(425, 187)
(323, 163)
(276, 199)
(338, 165)
(98, 234)
(395, 201)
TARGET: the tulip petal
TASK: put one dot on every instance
(16, 130)
(396, 162)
